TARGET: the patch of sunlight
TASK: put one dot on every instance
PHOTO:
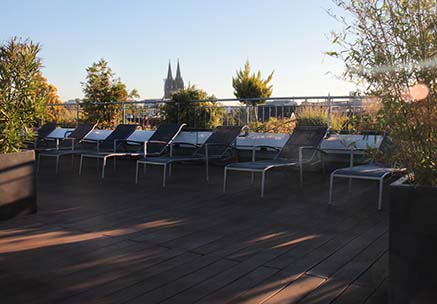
(62, 237)
(148, 225)
(296, 241)
(266, 237)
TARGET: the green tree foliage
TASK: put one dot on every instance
(183, 107)
(251, 85)
(55, 110)
(101, 90)
(389, 48)
(22, 95)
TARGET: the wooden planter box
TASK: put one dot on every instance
(413, 243)
(17, 184)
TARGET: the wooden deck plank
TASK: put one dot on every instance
(338, 283)
(114, 241)
(101, 293)
(160, 279)
(294, 292)
(343, 256)
(165, 292)
(240, 286)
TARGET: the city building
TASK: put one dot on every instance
(172, 85)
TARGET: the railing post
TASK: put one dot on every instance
(329, 104)
(247, 112)
(123, 113)
(77, 113)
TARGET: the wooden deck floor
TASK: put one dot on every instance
(111, 241)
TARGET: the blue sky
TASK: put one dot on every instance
(212, 39)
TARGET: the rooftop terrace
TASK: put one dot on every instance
(111, 241)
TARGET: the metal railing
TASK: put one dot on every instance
(206, 113)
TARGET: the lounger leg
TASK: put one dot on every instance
(169, 169)
(207, 170)
(224, 180)
(72, 161)
(115, 164)
(103, 167)
(136, 173)
(381, 186)
(331, 186)
(164, 173)
(263, 178)
(301, 175)
(37, 163)
(323, 165)
(252, 177)
(144, 168)
(350, 185)
(80, 165)
(57, 164)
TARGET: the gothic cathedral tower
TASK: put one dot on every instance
(172, 85)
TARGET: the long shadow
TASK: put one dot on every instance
(101, 239)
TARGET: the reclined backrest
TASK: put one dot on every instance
(302, 136)
(45, 130)
(79, 133)
(120, 133)
(223, 135)
(165, 133)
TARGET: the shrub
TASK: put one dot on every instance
(314, 115)
(389, 47)
(274, 125)
(183, 107)
(22, 95)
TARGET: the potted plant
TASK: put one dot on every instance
(413, 199)
(388, 48)
(23, 97)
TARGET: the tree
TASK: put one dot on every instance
(54, 110)
(247, 85)
(183, 107)
(389, 48)
(102, 90)
(22, 101)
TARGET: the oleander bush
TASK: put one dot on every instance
(23, 93)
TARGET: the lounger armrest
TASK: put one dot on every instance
(181, 143)
(302, 148)
(67, 133)
(146, 142)
(221, 145)
(217, 144)
(185, 143)
(65, 139)
(94, 141)
(124, 140)
(254, 149)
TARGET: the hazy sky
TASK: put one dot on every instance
(212, 39)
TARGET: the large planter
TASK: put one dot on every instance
(17, 184)
(413, 243)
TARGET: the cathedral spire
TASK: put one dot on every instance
(178, 72)
(171, 84)
(169, 74)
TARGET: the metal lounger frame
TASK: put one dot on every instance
(115, 154)
(228, 143)
(380, 180)
(58, 153)
(168, 163)
(301, 162)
